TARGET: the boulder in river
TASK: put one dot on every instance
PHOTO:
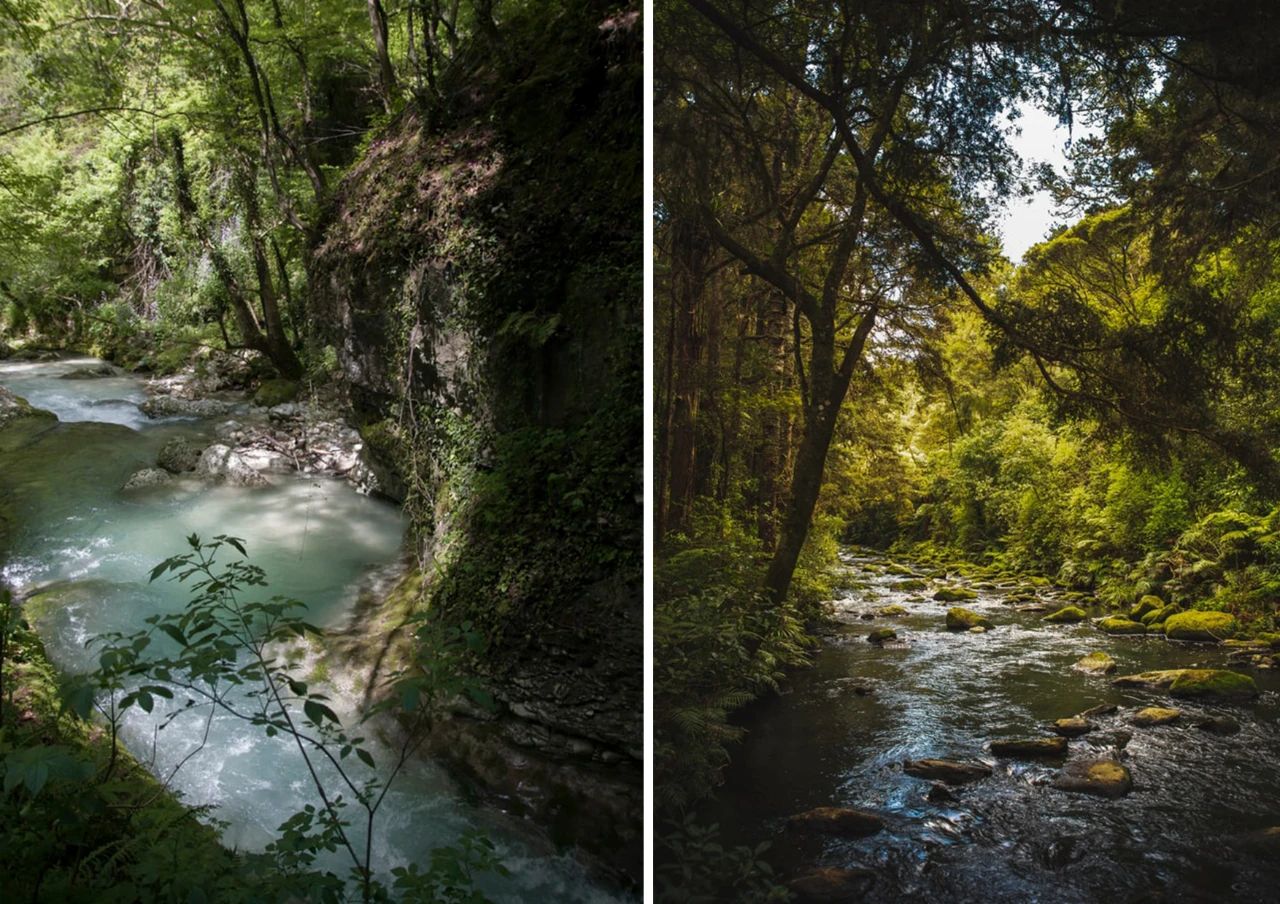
(1214, 684)
(91, 372)
(1100, 777)
(1160, 616)
(1219, 725)
(178, 455)
(146, 479)
(890, 611)
(1156, 715)
(1147, 604)
(1073, 727)
(952, 772)
(1067, 615)
(1098, 663)
(880, 635)
(844, 821)
(955, 595)
(939, 793)
(1102, 709)
(220, 463)
(172, 406)
(1200, 626)
(1030, 747)
(910, 585)
(829, 885)
(1118, 624)
(959, 619)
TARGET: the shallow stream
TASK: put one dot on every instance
(1188, 831)
(89, 548)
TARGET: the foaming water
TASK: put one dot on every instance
(1186, 832)
(87, 549)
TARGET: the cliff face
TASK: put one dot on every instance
(480, 282)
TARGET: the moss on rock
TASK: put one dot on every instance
(960, 619)
(1217, 684)
(1156, 715)
(1098, 663)
(275, 392)
(1147, 604)
(954, 595)
(1201, 626)
(1117, 624)
(880, 635)
(1067, 615)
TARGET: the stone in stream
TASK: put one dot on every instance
(1159, 616)
(959, 619)
(1200, 626)
(954, 595)
(172, 406)
(891, 611)
(1098, 663)
(910, 586)
(146, 479)
(1118, 624)
(829, 885)
(1213, 684)
(1219, 725)
(1100, 777)
(1032, 607)
(220, 463)
(1067, 615)
(178, 455)
(952, 772)
(91, 372)
(1147, 604)
(978, 629)
(1073, 727)
(844, 821)
(880, 635)
(1155, 715)
(939, 793)
(1102, 709)
(1030, 747)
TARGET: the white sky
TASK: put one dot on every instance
(1027, 221)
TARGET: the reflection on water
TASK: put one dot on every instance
(1182, 834)
(91, 548)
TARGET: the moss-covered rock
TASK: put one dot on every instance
(1158, 616)
(1067, 615)
(1099, 777)
(912, 585)
(1155, 715)
(960, 619)
(1215, 684)
(1098, 663)
(891, 611)
(1031, 747)
(275, 392)
(951, 772)
(1117, 624)
(880, 635)
(1201, 626)
(954, 595)
(900, 569)
(1073, 727)
(1147, 604)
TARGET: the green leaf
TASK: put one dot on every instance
(317, 711)
(365, 757)
(174, 632)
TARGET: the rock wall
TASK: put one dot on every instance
(481, 285)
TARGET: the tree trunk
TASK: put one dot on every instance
(387, 74)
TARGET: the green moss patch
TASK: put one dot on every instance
(1116, 624)
(960, 619)
(954, 595)
(1067, 615)
(1201, 626)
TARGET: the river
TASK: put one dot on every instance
(90, 548)
(837, 736)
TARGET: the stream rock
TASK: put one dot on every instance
(1200, 626)
(1102, 709)
(880, 635)
(844, 821)
(1098, 663)
(1219, 725)
(831, 885)
(221, 464)
(1073, 727)
(1155, 715)
(960, 619)
(1118, 624)
(1030, 747)
(1146, 605)
(1100, 777)
(173, 406)
(891, 611)
(1067, 615)
(1213, 684)
(92, 372)
(954, 595)
(952, 772)
(146, 479)
(178, 455)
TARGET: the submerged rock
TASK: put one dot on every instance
(837, 821)
(954, 595)
(1100, 777)
(1200, 626)
(1156, 715)
(1030, 747)
(939, 793)
(959, 619)
(829, 885)
(1219, 725)
(880, 635)
(1073, 727)
(952, 772)
(1117, 624)
(1067, 615)
(1220, 684)
(178, 455)
(91, 372)
(1102, 709)
(147, 478)
(1098, 663)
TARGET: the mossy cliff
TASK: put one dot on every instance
(481, 283)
